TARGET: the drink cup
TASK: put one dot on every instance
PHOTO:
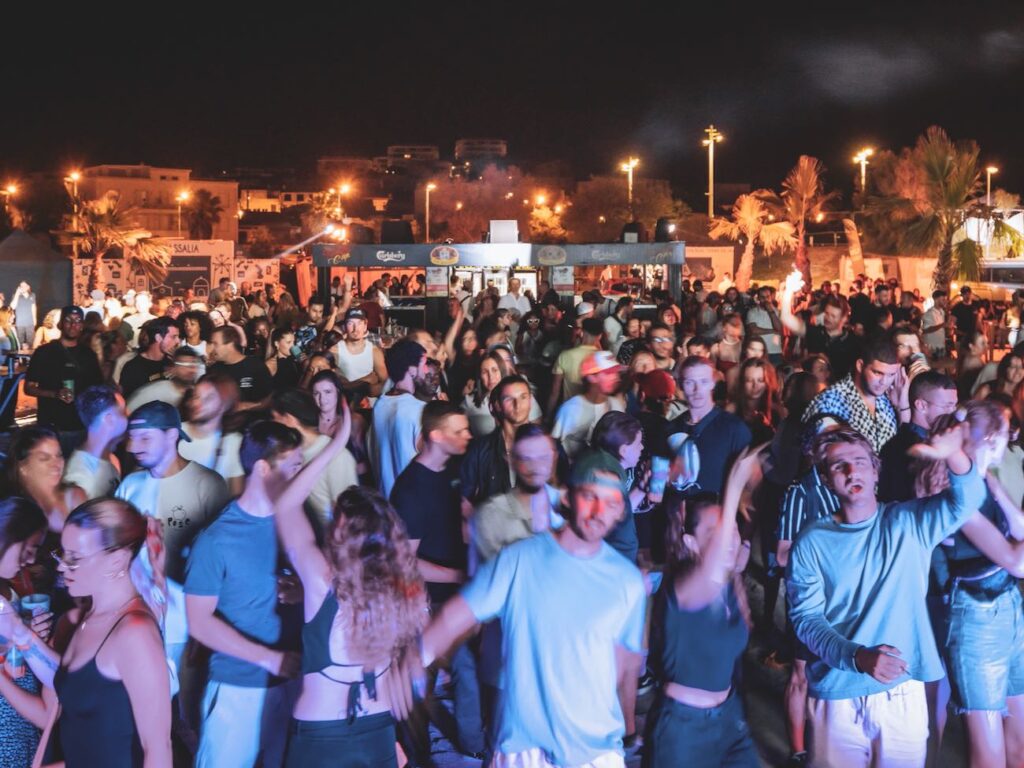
(659, 475)
(33, 605)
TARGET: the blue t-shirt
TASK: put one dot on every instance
(235, 560)
(864, 584)
(561, 618)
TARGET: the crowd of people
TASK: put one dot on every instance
(244, 532)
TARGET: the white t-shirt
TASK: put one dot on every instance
(394, 439)
(935, 339)
(136, 321)
(96, 476)
(520, 303)
(481, 422)
(614, 332)
(576, 419)
(339, 476)
(761, 318)
(219, 452)
(184, 503)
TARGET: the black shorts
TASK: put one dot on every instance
(366, 742)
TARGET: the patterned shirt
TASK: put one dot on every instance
(806, 500)
(843, 400)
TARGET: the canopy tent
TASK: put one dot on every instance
(23, 257)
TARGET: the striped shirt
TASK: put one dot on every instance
(806, 501)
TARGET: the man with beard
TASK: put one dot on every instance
(861, 399)
(61, 369)
(314, 325)
(856, 585)
(360, 363)
(542, 720)
(395, 434)
(831, 337)
(485, 467)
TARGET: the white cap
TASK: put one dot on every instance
(584, 308)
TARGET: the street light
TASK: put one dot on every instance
(862, 158)
(430, 188)
(988, 184)
(73, 178)
(627, 168)
(540, 200)
(181, 198)
(714, 137)
(8, 192)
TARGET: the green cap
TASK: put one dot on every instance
(592, 465)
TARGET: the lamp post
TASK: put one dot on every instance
(430, 188)
(627, 168)
(862, 158)
(988, 184)
(714, 137)
(71, 180)
(181, 198)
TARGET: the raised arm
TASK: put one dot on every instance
(793, 284)
(293, 527)
(449, 338)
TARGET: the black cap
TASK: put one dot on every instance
(355, 314)
(157, 414)
(71, 309)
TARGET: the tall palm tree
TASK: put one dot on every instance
(203, 210)
(933, 222)
(103, 227)
(750, 225)
(803, 199)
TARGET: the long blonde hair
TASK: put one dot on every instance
(381, 595)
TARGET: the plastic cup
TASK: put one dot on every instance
(33, 605)
(659, 475)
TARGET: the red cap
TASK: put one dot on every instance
(656, 384)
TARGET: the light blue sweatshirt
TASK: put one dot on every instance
(864, 584)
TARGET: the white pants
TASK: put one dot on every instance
(241, 725)
(885, 730)
(535, 758)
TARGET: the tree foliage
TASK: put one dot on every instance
(203, 210)
(750, 226)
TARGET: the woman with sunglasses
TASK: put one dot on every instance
(22, 712)
(112, 680)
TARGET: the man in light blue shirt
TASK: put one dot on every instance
(856, 585)
(572, 618)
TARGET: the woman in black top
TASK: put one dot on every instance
(112, 681)
(283, 367)
(700, 630)
(364, 599)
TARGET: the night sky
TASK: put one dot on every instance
(557, 81)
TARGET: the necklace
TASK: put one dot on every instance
(116, 611)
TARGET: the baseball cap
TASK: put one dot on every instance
(355, 314)
(71, 309)
(583, 308)
(598, 362)
(656, 384)
(157, 414)
(591, 465)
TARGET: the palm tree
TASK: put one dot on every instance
(750, 226)
(933, 221)
(204, 210)
(102, 226)
(803, 198)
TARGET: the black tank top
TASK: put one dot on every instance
(698, 649)
(316, 657)
(96, 724)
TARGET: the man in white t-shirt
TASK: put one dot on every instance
(933, 325)
(92, 466)
(184, 497)
(394, 438)
(141, 315)
(514, 301)
(576, 418)
(763, 320)
(214, 396)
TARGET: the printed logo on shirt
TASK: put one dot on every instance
(178, 517)
(245, 382)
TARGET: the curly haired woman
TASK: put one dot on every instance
(363, 599)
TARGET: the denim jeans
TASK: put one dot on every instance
(368, 742)
(985, 650)
(718, 737)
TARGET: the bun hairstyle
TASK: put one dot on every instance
(381, 595)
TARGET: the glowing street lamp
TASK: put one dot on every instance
(627, 168)
(988, 184)
(183, 197)
(8, 192)
(862, 158)
(540, 200)
(714, 137)
(71, 180)
(430, 188)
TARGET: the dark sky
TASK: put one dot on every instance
(558, 81)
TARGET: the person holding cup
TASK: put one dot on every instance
(22, 711)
